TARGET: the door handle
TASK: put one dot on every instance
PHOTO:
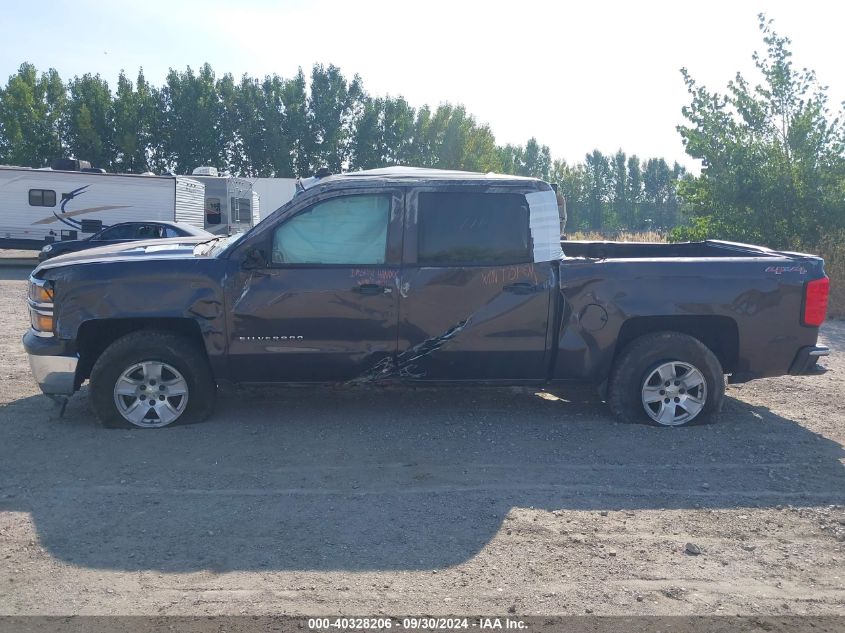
(520, 288)
(371, 289)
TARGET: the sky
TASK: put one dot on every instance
(576, 76)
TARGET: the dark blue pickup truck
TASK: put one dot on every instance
(407, 274)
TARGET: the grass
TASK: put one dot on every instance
(831, 248)
(618, 236)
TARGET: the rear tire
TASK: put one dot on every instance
(152, 379)
(666, 379)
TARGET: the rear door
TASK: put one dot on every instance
(326, 306)
(474, 304)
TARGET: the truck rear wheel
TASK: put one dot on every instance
(152, 379)
(666, 379)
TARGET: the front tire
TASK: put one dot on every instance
(152, 379)
(666, 379)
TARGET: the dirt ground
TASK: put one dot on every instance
(402, 501)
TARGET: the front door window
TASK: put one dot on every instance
(349, 230)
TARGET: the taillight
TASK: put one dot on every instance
(815, 301)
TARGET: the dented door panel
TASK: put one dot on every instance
(315, 322)
(310, 324)
(475, 323)
(470, 322)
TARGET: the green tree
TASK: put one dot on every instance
(772, 156)
(89, 124)
(512, 158)
(134, 110)
(634, 194)
(296, 125)
(384, 134)
(597, 186)
(192, 112)
(621, 203)
(536, 160)
(333, 106)
(368, 146)
(397, 124)
(278, 159)
(31, 117)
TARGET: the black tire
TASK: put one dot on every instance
(639, 359)
(186, 357)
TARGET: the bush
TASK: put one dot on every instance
(700, 229)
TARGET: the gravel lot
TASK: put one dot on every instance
(322, 501)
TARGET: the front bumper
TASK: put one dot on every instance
(806, 360)
(53, 364)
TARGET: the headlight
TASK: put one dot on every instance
(47, 248)
(41, 306)
(41, 292)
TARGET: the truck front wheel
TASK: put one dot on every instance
(152, 379)
(666, 379)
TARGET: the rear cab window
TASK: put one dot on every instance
(472, 229)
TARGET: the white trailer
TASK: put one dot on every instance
(274, 192)
(39, 206)
(231, 205)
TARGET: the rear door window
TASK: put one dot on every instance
(124, 232)
(149, 231)
(473, 229)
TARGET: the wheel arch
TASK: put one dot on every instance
(719, 333)
(94, 336)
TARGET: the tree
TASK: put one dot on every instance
(597, 176)
(89, 124)
(772, 156)
(277, 140)
(296, 125)
(192, 111)
(621, 203)
(31, 109)
(333, 106)
(397, 124)
(134, 116)
(384, 134)
(536, 160)
(634, 193)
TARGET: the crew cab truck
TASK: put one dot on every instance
(420, 275)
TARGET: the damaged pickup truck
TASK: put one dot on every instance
(420, 275)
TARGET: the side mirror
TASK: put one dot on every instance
(254, 259)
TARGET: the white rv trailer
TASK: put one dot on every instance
(39, 206)
(231, 205)
(274, 192)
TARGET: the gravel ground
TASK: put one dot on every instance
(323, 501)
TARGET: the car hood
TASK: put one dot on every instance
(170, 248)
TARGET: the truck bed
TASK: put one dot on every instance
(657, 250)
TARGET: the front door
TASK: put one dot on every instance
(325, 308)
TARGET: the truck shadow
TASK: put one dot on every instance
(369, 479)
